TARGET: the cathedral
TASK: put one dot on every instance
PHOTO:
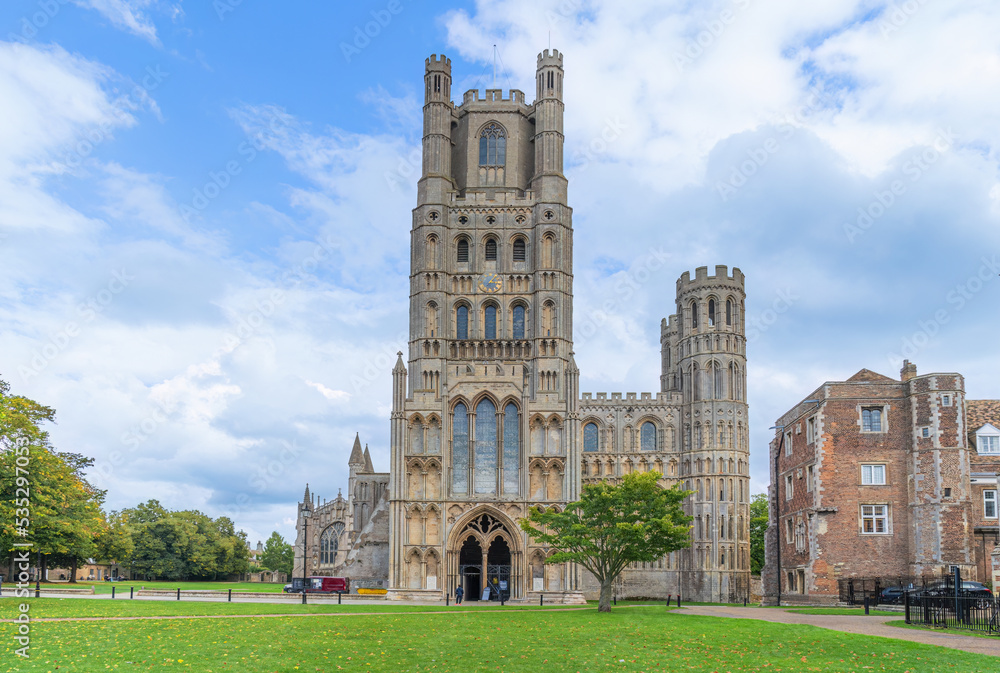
(487, 418)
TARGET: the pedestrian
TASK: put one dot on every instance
(459, 593)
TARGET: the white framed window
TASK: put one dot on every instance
(810, 475)
(990, 504)
(788, 443)
(789, 531)
(811, 430)
(789, 487)
(873, 475)
(871, 419)
(925, 432)
(875, 520)
(946, 400)
(988, 439)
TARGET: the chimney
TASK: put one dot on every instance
(908, 371)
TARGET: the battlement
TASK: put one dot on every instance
(438, 64)
(550, 58)
(668, 327)
(499, 198)
(701, 277)
(493, 96)
(630, 399)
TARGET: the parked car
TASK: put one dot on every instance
(969, 589)
(319, 585)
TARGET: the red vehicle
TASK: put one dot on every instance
(328, 585)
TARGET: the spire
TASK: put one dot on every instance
(400, 368)
(357, 458)
(307, 497)
(369, 468)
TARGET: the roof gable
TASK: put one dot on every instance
(869, 376)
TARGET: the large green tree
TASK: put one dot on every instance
(758, 529)
(184, 545)
(278, 555)
(611, 526)
(45, 496)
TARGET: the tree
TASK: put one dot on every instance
(278, 555)
(637, 521)
(44, 494)
(758, 528)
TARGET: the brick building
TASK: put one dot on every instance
(874, 477)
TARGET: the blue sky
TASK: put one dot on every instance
(204, 210)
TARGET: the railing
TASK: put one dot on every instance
(972, 613)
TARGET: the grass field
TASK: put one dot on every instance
(105, 587)
(627, 639)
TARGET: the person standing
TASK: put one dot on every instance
(459, 593)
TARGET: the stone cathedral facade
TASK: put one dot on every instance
(487, 417)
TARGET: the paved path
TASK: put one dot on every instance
(868, 626)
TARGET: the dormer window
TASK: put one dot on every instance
(988, 440)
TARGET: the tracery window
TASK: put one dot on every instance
(329, 542)
(495, 443)
(460, 449)
(493, 145)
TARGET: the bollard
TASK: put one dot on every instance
(744, 601)
(447, 600)
(678, 600)
(178, 593)
(38, 588)
(112, 592)
(866, 605)
(541, 600)
(339, 594)
(230, 599)
(614, 598)
(130, 592)
(303, 595)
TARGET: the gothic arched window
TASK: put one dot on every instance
(460, 449)
(490, 322)
(462, 323)
(518, 322)
(694, 314)
(520, 253)
(484, 465)
(729, 312)
(511, 448)
(711, 312)
(491, 250)
(590, 437)
(329, 542)
(463, 251)
(493, 145)
(647, 437)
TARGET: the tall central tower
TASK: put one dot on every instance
(483, 418)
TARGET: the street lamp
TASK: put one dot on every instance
(306, 513)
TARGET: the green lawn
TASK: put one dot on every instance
(47, 608)
(628, 639)
(122, 587)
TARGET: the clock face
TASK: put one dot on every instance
(490, 283)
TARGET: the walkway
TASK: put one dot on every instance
(868, 626)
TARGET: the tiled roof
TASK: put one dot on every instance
(980, 412)
(872, 377)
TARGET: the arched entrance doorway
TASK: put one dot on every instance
(470, 568)
(486, 559)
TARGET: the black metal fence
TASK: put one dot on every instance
(973, 613)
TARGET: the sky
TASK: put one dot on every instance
(204, 210)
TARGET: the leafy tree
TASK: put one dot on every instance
(758, 528)
(278, 555)
(115, 544)
(609, 527)
(62, 508)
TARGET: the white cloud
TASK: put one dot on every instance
(332, 395)
(132, 15)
